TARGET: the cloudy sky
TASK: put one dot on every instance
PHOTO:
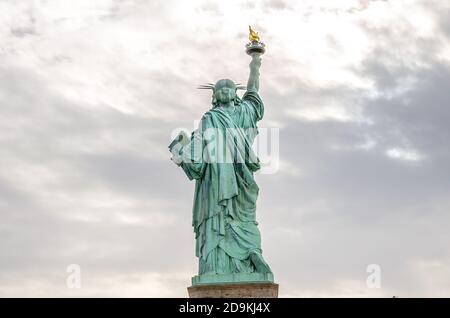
(91, 91)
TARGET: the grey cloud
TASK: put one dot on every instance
(276, 4)
(23, 31)
(25, 28)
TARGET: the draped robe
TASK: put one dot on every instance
(224, 209)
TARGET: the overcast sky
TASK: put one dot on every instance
(90, 92)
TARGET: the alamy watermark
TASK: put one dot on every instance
(74, 278)
(374, 278)
(258, 147)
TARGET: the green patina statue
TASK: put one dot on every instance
(218, 155)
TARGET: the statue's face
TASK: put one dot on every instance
(225, 91)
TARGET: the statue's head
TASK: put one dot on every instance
(224, 92)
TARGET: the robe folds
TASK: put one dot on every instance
(220, 159)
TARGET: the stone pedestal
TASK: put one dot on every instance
(234, 290)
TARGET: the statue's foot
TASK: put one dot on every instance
(259, 263)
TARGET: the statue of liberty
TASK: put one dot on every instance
(219, 157)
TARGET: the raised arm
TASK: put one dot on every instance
(253, 79)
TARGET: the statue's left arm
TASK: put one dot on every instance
(190, 156)
(253, 79)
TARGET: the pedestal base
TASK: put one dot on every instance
(236, 278)
(240, 290)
